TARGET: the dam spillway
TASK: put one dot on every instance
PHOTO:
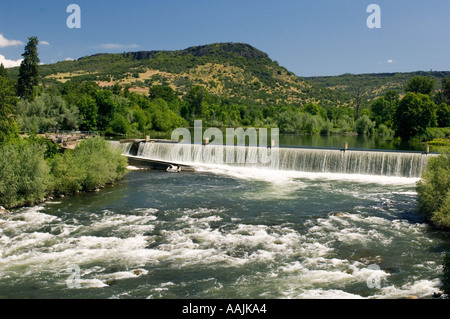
(318, 160)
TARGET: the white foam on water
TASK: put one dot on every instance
(419, 289)
(320, 271)
(146, 211)
(124, 224)
(121, 275)
(282, 176)
(28, 219)
(91, 283)
(358, 228)
(240, 244)
(324, 294)
(27, 252)
(201, 237)
(134, 168)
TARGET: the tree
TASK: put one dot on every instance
(107, 107)
(420, 84)
(164, 92)
(88, 113)
(414, 114)
(46, 113)
(29, 71)
(358, 92)
(314, 109)
(383, 108)
(3, 71)
(446, 90)
(195, 101)
(119, 124)
(8, 127)
(443, 115)
(364, 125)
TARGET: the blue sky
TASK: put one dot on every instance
(309, 37)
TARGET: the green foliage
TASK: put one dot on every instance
(364, 125)
(443, 115)
(383, 108)
(420, 84)
(385, 131)
(446, 90)
(24, 174)
(434, 190)
(51, 148)
(314, 109)
(195, 100)
(413, 115)
(119, 125)
(33, 168)
(346, 123)
(164, 92)
(88, 111)
(376, 85)
(3, 72)
(92, 164)
(436, 132)
(29, 71)
(164, 119)
(250, 89)
(46, 113)
(8, 127)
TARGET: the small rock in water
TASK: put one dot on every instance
(338, 214)
(3, 211)
(137, 272)
(437, 294)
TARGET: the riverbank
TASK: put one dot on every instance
(29, 173)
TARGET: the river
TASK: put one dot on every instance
(226, 232)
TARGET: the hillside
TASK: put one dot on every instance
(236, 71)
(375, 84)
(223, 84)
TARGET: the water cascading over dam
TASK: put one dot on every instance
(319, 160)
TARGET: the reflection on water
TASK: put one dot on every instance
(354, 141)
(337, 141)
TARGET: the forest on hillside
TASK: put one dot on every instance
(34, 103)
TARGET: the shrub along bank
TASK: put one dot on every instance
(434, 190)
(29, 172)
(434, 200)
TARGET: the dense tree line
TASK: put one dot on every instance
(420, 109)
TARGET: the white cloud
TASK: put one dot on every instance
(4, 42)
(389, 61)
(69, 59)
(116, 46)
(9, 63)
(44, 42)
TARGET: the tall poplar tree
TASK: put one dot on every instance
(3, 71)
(29, 70)
(8, 127)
